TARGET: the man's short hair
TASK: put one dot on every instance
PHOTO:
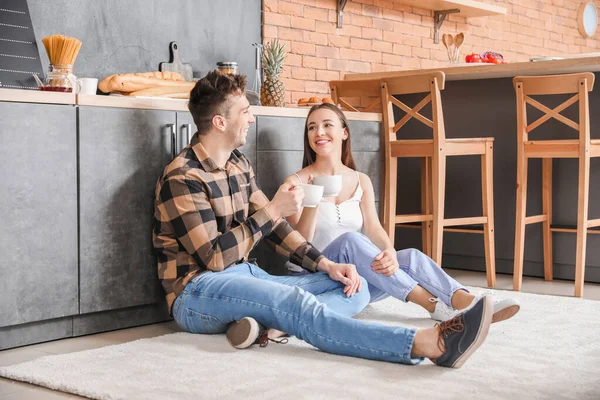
(210, 97)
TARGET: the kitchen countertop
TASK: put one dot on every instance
(148, 103)
(36, 96)
(581, 63)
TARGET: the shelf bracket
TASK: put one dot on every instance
(341, 4)
(438, 19)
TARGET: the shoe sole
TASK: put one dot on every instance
(484, 327)
(506, 313)
(243, 333)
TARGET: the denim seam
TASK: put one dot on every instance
(298, 320)
(420, 279)
(408, 290)
(325, 278)
(203, 315)
(409, 346)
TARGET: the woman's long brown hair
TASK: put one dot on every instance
(309, 153)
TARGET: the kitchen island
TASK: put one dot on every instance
(479, 100)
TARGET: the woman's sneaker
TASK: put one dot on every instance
(442, 311)
(463, 334)
(503, 309)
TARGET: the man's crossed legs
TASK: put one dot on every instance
(315, 309)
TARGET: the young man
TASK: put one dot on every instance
(210, 213)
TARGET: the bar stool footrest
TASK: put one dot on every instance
(573, 229)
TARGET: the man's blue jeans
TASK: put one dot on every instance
(311, 307)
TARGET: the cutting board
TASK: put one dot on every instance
(175, 65)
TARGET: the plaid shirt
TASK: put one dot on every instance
(209, 218)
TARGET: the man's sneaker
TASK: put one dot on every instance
(243, 333)
(246, 332)
(503, 309)
(463, 334)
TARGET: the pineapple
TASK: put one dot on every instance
(272, 91)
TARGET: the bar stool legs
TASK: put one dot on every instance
(522, 164)
(439, 192)
(582, 219)
(547, 211)
(487, 196)
(426, 204)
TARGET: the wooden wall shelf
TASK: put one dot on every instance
(464, 8)
(468, 8)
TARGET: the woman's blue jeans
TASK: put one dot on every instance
(415, 269)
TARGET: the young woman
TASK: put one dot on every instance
(349, 221)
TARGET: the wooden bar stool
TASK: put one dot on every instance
(368, 91)
(582, 148)
(434, 152)
(351, 95)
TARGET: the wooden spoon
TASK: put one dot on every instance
(458, 41)
(447, 40)
(450, 41)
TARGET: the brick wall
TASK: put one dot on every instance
(380, 35)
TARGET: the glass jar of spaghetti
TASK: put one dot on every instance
(60, 78)
(227, 67)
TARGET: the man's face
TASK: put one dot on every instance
(239, 120)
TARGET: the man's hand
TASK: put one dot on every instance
(385, 262)
(287, 201)
(345, 273)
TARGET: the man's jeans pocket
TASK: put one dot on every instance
(194, 322)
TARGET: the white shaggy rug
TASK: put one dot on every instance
(550, 350)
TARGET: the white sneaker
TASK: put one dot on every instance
(442, 311)
(503, 309)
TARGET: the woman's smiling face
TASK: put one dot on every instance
(326, 132)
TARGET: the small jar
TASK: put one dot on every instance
(227, 67)
(60, 78)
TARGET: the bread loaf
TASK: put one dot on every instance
(143, 80)
(164, 91)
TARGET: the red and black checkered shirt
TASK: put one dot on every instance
(209, 218)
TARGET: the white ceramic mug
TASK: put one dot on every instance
(88, 85)
(312, 195)
(332, 184)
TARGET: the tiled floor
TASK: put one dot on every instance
(10, 390)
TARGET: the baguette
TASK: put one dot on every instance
(103, 85)
(163, 91)
(142, 80)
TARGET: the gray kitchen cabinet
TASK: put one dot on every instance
(122, 153)
(38, 241)
(185, 129)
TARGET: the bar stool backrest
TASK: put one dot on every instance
(578, 84)
(430, 83)
(351, 95)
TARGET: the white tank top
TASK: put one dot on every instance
(334, 220)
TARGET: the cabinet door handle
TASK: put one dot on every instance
(186, 136)
(173, 138)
